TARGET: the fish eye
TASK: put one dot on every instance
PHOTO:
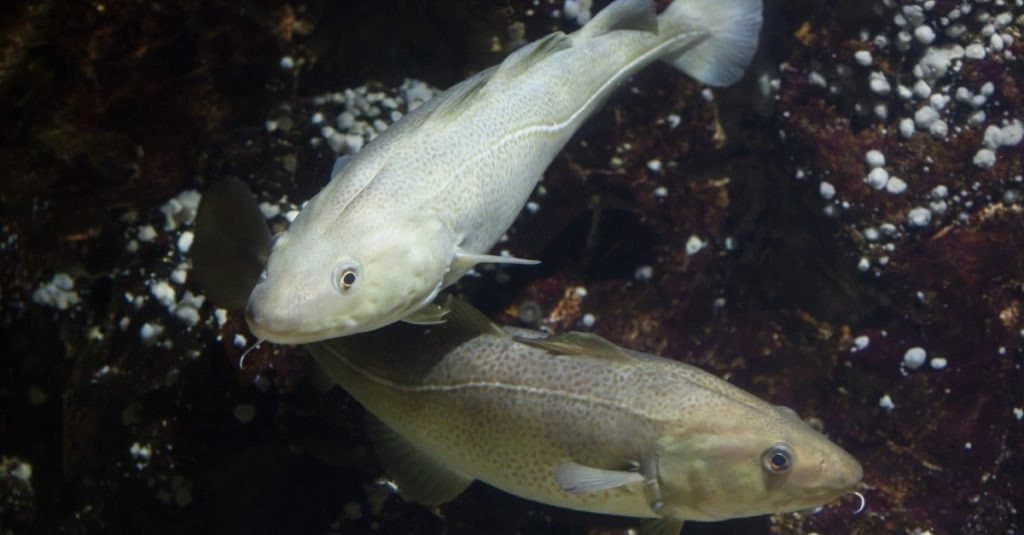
(778, 458)
(345, 276)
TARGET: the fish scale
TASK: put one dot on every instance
(425, 201)
(512, 409)
(571, 420)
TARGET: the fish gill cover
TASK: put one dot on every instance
(840, 234)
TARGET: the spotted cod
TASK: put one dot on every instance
(425, 201)
(578, 422)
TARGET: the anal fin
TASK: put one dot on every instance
(321, 378)
(420, 477)
(661, 526)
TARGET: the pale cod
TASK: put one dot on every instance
(575, 421)
(425, 201)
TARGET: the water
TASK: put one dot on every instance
(129, 406)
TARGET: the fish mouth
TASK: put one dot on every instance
(264, 329)
(815, 498)
(289, 338)
(287, 330)
(821, 493)
(291, 324)
(294, 337)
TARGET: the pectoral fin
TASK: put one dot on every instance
(429, 314)
(576, 478)
(661, 526)
(464, 261)
(420, 477)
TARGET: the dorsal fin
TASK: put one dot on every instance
(788, 413)
(455, 100)
(577, 343)
(451, 103)
(467, 317)
(529, 55)
(402, 352)
(636, 15)
(340, 164)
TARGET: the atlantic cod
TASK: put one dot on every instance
(426, 200)
(578, 422)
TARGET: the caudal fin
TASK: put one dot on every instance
(232, 242)
(733, 28)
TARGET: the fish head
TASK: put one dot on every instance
(762, 462)
(329, 280)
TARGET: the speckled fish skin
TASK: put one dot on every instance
(424, 201)
(498, 408)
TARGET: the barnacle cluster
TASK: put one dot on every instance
(851, 249)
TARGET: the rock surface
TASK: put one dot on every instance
(741, 230)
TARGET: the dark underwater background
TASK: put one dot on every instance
(731, 229)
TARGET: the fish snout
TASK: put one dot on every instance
(852, 472)
(268, 322)
(253, 316)
(842, 471)
(826, 474)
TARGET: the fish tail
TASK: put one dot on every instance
(732, 28)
